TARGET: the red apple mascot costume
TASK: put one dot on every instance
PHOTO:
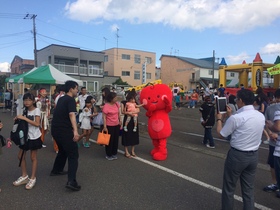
(158, 103)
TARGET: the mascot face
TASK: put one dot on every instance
(155, 95)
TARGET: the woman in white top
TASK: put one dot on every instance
(32, 117)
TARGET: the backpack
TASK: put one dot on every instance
(19, 133)
(81, 117)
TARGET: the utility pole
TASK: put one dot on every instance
(32, 16)
(213, 69)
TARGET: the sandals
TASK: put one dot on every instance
(127, 155)
(133, 155)
(30, 184)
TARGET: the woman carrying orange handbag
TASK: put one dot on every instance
(111, 120)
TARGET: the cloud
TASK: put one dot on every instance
(4, 67)
(271, 48)
(238, 59)
(114, 27)
(229, 16)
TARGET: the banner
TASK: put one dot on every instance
(274, 69)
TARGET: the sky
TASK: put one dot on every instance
(235, 29)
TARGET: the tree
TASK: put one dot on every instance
(2, 81)
(120, 82)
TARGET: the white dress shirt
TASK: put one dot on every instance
(82, 99)
(246, 128)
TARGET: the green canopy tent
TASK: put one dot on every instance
(47, 75)
(15, 79)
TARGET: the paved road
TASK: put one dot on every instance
(191, 177)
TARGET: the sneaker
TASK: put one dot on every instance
(125, 128)
(134, 129)
(21, 180)
(189, 107)
(73, 186)
(86, 145)
(30, 184)
(211, 147)
(266, 142)
(109, 158)
(114, 157)
(270, 188)
(278, 194)
(193, 107)
(43, 145)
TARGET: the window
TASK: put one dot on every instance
(148, 60)
(106, 73)
(232, 74)
(126, 73)
(148, 76)
(210, 72)
(106, 58)
(61, 67)
(137, 75)
(93, 70)
(193, 76)
(137, 58)
(93, 86)
(125, 57)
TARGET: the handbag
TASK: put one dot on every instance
(2, 141)
(98, 120)
(103, 138)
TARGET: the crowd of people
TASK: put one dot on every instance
(247, 118)
(243, 125)
(74, 109)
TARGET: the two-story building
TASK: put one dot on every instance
(20, 65)
(131, 65)
(84, 65)
(190, 72)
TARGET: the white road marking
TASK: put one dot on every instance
(199, 135)
(190, 179)
(222, 140)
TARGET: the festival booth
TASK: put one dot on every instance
(47, 75)
(44, 75)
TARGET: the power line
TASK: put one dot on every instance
(11, 16)
(73, 32)
(62, 41)
(16, 43)
(14, 34)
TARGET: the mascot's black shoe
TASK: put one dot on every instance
(73, 186)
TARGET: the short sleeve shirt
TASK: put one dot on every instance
(277, 145)
(33, 131)
(112, 114)
(245, 128)
(64, 107)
